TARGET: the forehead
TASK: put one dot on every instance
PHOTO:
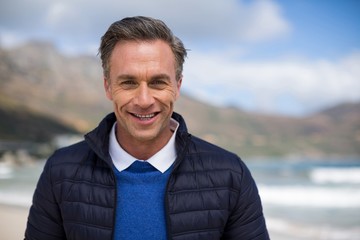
(142, 51)
(140, 58)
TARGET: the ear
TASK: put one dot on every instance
(107, 87)
(178, 87)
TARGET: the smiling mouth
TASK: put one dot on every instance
(144, 117)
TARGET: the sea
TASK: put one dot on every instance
(302, 198)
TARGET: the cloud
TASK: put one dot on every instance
(74, 24)
(282, 85)
(263, 21)
(294, 86)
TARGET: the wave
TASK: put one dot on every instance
(310, 196)
(285, 229)
(6, 172)
(335, 175)
(21, 199)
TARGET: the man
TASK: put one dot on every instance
(140, 174)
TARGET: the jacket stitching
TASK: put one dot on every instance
(86, 203)
(69, 180)
(214, 170)
(203, 190)
(217, 229)
(86, 224)
(201, 210)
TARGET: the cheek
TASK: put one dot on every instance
(177, 94)
(108, 90)
(167, 97)
(120, 98)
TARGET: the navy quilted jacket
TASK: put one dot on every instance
(210, 193)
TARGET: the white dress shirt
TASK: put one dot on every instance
(162, 160)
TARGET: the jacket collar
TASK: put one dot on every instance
(98, 139)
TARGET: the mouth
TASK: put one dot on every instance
(144, 117)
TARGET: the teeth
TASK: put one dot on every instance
(145, 116)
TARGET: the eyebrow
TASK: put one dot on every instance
(161, 76)
(125, 77)
(155, 77)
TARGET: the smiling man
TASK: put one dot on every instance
(140, 174)
(143, 86)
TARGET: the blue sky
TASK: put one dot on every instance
(327, 28)
(278, 56)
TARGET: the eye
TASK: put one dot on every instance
(128, 84)
(158, 83)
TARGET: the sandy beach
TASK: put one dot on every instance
(12, 222)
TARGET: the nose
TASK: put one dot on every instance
(144, 98)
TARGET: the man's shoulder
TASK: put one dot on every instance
(203, 146)
(70, 154)
(213, 155)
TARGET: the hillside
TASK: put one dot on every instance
(36, 77)
(254, 134)
(17, 123)
(68, 88)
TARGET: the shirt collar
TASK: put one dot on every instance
(162, 160)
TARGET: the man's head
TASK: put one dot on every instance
(140, 29)
(142, 63)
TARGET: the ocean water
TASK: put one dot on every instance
(307, 199)
(310, 199)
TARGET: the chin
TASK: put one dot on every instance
(145, 137)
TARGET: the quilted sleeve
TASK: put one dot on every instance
(44, 221)
(246, 220)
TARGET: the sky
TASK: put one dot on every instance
(290, 57)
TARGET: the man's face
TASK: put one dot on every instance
(143, 88)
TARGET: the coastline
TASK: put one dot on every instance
(301, 200)
(13, 221)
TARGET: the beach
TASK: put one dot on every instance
(302, 200)
(12, 222)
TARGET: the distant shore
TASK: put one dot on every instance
(13, 222)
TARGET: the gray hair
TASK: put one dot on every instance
(140, 29)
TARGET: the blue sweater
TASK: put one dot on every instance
(140, 210)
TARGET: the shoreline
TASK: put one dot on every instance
(13, 224)
(13, 221)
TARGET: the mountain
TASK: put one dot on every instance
(19, 123)
(69, 90)
(255, 134)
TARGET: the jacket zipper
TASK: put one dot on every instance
(115, 200)
(176, 164)
(115, 205)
